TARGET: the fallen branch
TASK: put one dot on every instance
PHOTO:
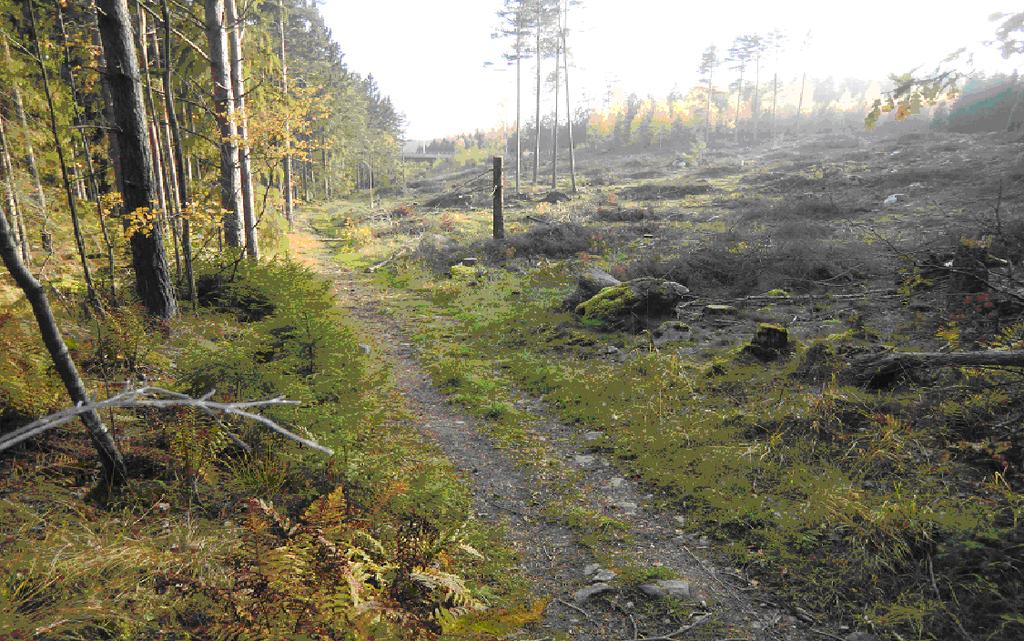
(159, 398)
(387, 261)
(686, 628)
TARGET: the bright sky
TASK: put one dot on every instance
(429, 55)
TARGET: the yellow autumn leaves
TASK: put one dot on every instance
(142, 219)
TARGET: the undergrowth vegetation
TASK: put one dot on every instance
(214, 540)
(877, 508)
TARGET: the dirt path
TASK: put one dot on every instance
(552, 555)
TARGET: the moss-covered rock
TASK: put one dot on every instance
(633, 305)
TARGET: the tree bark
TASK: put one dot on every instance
(59, 147)
(152, 277)
(224, 106)
(289, 204)
(519, 106)
(114, 472)
(235, 35)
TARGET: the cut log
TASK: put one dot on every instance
(881, 371)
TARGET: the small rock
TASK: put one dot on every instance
(627, 506)
(674, 588)
(585, 594)
(860, 635)
(671, 331)
(893, 199)
(603, 576)
(584, 459)
(590, 437)
(680, 519)
(365, 349)
(469, 262)
(618, 481)
(592, 568)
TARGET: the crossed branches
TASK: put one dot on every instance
(160, 398)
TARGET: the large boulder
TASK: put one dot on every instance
(588, 283)
(641, 303)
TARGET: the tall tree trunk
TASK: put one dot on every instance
(7, 175)
(152, 277)
(179, 162)
(568, 106)
(235, 36)
(287, 160)
(519, 106)
(536, 150)
(61, 161)
(554, 115)
(26, 132)
(114, 472)
(87, 150)
(224, 106)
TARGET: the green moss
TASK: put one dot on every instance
(608, 306)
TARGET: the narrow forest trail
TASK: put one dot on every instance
(553, 555)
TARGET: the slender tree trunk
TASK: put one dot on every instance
(536, 150)
(114, 472)
(152, 277)
(235, 35)
(554, 124)
(568, 106)
(7, 174)
(26, 133)
(179, 162)
(224, 104)
(739, 97)
(707, 113)
(774, 102)
(59, 147)
(167, 154)
(287, 160)
(800, 103)
(757, 96)
(155, 142)
(79, 120)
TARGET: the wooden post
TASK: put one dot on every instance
(499, 219)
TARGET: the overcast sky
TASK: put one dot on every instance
(430, 55)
